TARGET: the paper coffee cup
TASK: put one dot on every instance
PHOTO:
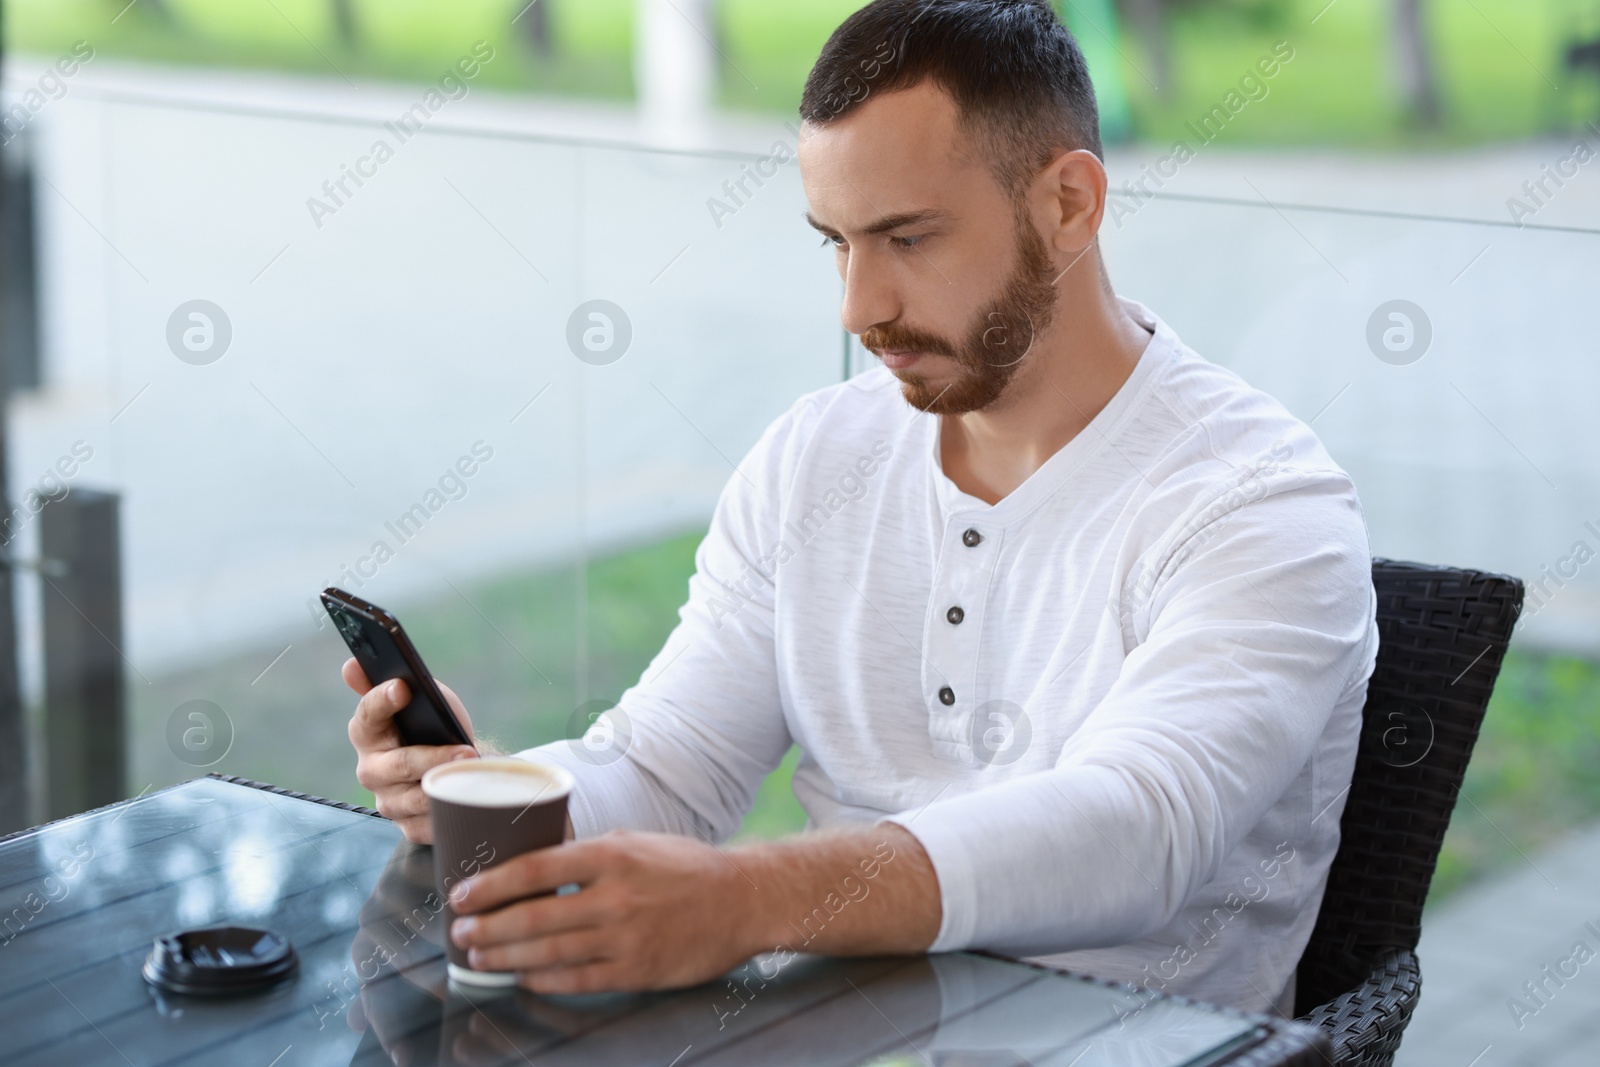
(484, 812)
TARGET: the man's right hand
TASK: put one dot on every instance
(391, 769)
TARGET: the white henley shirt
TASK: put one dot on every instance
(1118, 708)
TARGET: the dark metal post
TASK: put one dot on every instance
(14, 814)
(19, 286)
(81, 584)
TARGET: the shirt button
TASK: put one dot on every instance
(947, 696)
(971, 538)
(955, 615)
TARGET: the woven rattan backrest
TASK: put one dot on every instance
(1442, 635)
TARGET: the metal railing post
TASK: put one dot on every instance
(14, 792)
(84, 693)
(14, 786)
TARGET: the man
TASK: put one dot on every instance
(1072, 627)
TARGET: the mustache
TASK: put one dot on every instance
(905, 338)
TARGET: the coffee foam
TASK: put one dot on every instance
(496, 783)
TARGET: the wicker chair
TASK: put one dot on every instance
(1442, 637)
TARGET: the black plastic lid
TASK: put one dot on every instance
(220, 961)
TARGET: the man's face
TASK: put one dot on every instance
(943, 280)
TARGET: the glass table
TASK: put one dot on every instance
(81, 901)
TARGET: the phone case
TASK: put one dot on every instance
(380, 645)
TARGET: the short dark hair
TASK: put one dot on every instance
(1016, 74)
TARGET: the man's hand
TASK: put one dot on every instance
(654, 911)
(657, 911)
(392, 770)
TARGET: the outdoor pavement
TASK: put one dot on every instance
(1479, 949)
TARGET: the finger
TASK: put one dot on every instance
(603, 977)
(457, 706)
(388, 768)
(406, 877)
(539, 917)
(362, 945)
(355, 1016)
(540, 871)
(418, 829)
(400, 803)
(372, 726)
(563, 950)
(354, 676)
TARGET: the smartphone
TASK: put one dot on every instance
(381, 646)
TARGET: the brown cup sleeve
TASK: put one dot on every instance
(468, 838)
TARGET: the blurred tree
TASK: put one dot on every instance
(1580, 52)
(151, 8)
(344, 23)
(1149, 23)
(1096, 26)
(1259, 15)
(533, 19)
(1419, 90)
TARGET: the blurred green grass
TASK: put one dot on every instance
(399, 40)
(1499, 60)
(1535, 773)
(529, 653)
(525, 658)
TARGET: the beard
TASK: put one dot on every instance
(1000, 336)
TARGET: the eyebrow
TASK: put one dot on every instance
(887, 223)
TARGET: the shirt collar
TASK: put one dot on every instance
(1093, 439)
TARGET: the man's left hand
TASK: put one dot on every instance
(653, 911)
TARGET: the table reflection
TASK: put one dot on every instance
(88, 895)
(955, 1009)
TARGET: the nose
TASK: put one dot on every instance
(870, 298)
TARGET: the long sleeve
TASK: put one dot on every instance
(687, 747)
(1255, 634)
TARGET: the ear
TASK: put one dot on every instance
(1070, 194)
